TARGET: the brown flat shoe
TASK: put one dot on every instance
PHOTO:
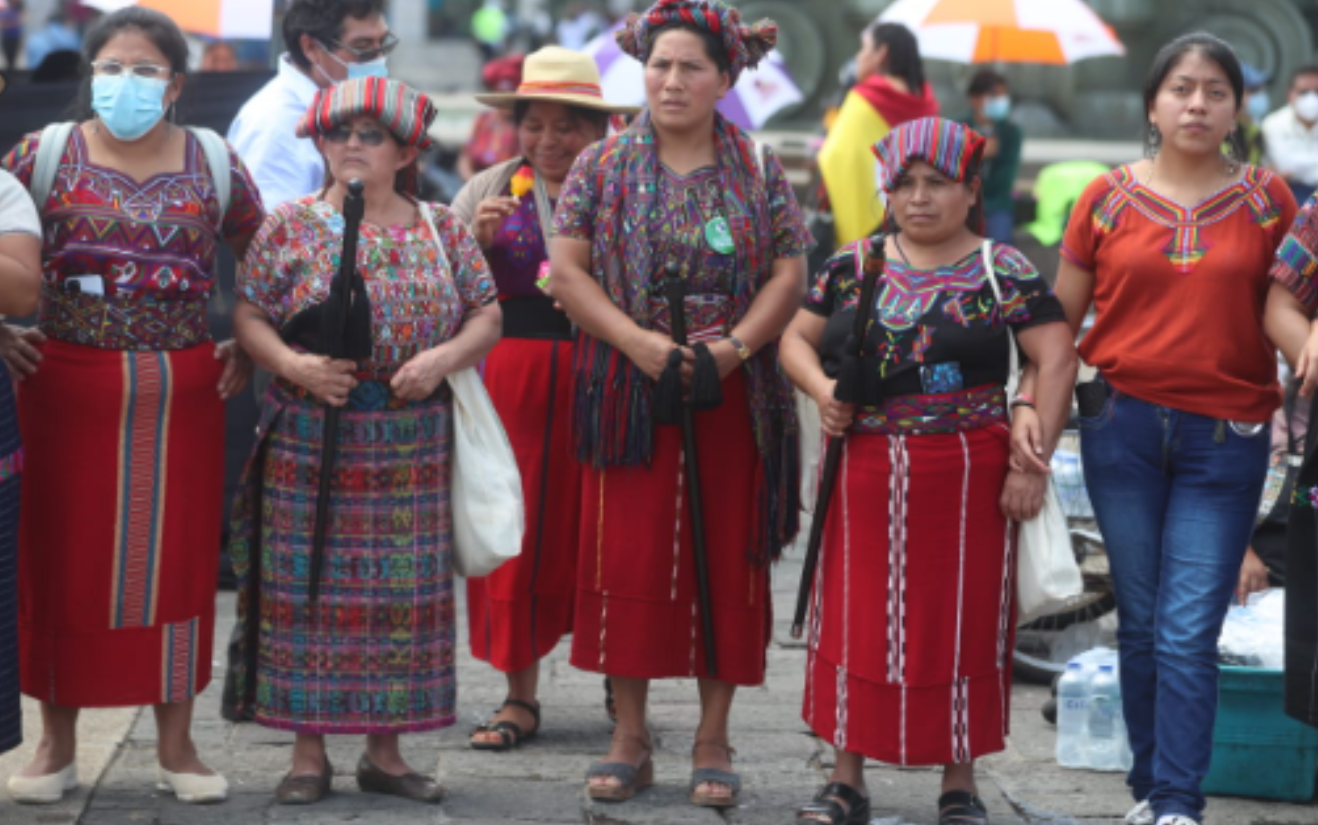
(306, 788)
(411, 786)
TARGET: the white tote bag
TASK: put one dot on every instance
(1047, 577)
(485, 488)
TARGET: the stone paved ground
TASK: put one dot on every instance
(541, 783)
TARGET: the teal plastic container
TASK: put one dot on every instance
(1259, 751)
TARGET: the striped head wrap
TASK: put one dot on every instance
(948, 146)
(746, 45)
(404, 111)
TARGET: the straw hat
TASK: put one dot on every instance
(558, 75)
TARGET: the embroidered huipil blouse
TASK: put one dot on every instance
(417, 301)
(1179, 291)
(945, 318)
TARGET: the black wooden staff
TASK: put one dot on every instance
(846, 390)
(675, 291)
(335, 335)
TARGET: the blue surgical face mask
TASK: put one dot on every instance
(1258, 106)
(997, 108)
(128, 105)
(379, 67)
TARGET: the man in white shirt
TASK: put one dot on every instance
(327, 41)
(1290, 135)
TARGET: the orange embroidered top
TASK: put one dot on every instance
(1179, 291)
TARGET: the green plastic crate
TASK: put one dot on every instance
(1259, 751)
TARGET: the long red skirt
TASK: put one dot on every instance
(637, 614)
(519, 612)
(119, 533)
(912, 624)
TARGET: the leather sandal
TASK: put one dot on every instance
(961, 808)
(510, 733)
(305, 788)
(702, 776)
(839, 804)
(631, 778)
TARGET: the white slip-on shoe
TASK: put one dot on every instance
(1141, 814)
(193, 787)
(43, 790)
(1177, 819)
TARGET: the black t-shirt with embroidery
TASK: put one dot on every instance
(936, 330)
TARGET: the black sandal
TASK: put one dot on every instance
(961, 808)
(510, 733)
(840, 803)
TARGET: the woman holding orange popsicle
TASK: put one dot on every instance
(518, 613)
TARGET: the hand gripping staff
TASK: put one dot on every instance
(847, 390)
(340, 337)
(671, 408)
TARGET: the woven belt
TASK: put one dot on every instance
(708, 317)
(951, 412)
(122, 322)
(367, 396)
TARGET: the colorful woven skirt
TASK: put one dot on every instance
(120, 525)
(374, 653)
(519, 613)
(636, 613)
(11, 464)
(912, 622)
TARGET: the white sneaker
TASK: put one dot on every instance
(1177, 819)
(1141, 814)
(193, 787)
(43, 790)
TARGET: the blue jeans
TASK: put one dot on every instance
(1175, 495)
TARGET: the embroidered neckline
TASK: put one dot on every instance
(1162, 209)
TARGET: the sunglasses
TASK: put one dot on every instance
(368, 137)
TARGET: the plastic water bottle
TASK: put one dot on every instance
(1106, 721)
(1073, 717)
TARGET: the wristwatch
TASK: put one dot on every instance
(743, 351)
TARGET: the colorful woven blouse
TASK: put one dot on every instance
(933, 331)
(1296, 264)
(1179, 291)
(416, 304)
(147, 239)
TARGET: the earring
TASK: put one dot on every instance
(1152, 141)
(1231, 158)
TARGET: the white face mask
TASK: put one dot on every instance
(1306, 106)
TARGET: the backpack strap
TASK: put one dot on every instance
(217, 158)
(50, 148)
(759, 157)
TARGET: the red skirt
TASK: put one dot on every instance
(912, 624)
(637, 613)
(119, 533)
(519, 613)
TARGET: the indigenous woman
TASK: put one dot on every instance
(373, 653)
(913, 616)
(518, 613)
(121, 380)
(681, 187)
(493, 134)
(20, 285)
(1173, 253)
(891, 89)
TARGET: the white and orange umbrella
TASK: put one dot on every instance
(223, 19)
(1006, 31)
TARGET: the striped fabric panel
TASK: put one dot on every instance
(946, 145)
(401, 109)
(143, 452)
(179, 666)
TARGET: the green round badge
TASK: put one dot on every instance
(719, 236)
